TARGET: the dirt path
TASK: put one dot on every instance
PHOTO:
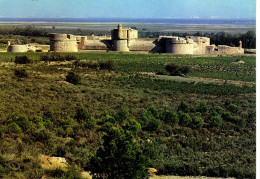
(200, 80)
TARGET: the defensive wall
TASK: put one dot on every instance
(127, 40)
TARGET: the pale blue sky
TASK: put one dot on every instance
(129, 8)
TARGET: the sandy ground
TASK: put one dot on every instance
(199, 80)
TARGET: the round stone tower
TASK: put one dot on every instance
(17, 48)
(178, 45)
(63, 43)
(121, 45)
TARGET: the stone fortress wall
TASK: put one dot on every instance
(127, 40)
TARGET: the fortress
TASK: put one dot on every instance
(124, 40)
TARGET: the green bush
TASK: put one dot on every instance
(105, 118)
(149, 122)
(218, 109)
(82, 114)
(90, 123)
(176, 70)
(38, 122)
(73, 78)
(184, 107)
(133, 126)
(227, 116)
(57, 57)
(233, 108)
(14, 128)
(84, 117)
(121, 115)
(21, 120)
(22, 60)
(169, 117)
(197, 122)
(242, 122)
(42, 135)
(66, 122)
(106, 65)
(184, 119)
(91, 64)
(48, 119)
(21, 73)
(202, 108)
(215, 121)
(154, 111)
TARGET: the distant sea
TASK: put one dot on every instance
(137, 20)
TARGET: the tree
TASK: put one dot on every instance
(120, 156)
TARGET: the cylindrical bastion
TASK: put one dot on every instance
(120, 45)
(178, 45)
(63, 43)
(17, 48)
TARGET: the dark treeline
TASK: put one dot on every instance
(24, 31)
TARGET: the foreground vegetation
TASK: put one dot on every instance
(98, 113)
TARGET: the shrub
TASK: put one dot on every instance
(233, 108)
(106, 65)
(2, 131)
(70, 57)
(184, 119)
(14, 128)
(21, 120)
(38, 122)
(105, 118)
(92, 64)
(184, 107)
(153, 110)
(57, 57)
(121, 115)
(227, 116)
(90, 123)
(82, 114)
(215, 121)
(149, 122)
(197, 122)
(169, 117)
(242, 122)
(21, 73)
(22, 60)
(73, 78)
(66, 122)
(218, 109)
(202, 108)
(176, 70)
(48, 119)
(132, 126)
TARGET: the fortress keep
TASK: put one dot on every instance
(124, 40)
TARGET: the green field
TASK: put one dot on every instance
(187, 128)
